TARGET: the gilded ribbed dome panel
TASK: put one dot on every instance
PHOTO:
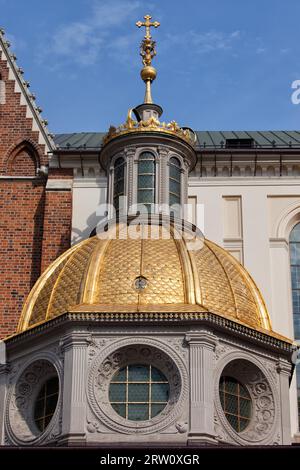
(246, 306)
(99, 276)
(39, 310)
(120, 266)
(68, 288)
(162, 267)
(216, 291)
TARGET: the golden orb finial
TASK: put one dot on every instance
(148, 52)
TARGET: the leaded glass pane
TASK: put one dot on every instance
(231, 404)
(145, 166)
(243, 424)
(295, 253)
(173, 199)
(231, 386)
(174, 173)
(146, 181)
(39, 408)
(117, 392)
(145, 196)
(233, 420)
(137, 373)
(46, 403)
(174, 187)
(236, 402)
(138, 392)
(119, 181)
(295, 234)
(245, 408)
(138, 412)
(160, 392)
(175, 161)
(120, 409)
(51, 404)
(139, 388)
(157, 376)
(297, 325)
(156, 409)
(120, 376)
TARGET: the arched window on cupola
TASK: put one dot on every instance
(146, 180)
(174, 184)
(119, 182)
(295, 277)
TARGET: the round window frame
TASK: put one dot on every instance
(253, 433)
(104, 366)
(19, 421)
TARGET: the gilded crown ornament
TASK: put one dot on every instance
(150, 125)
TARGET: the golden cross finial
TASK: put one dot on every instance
(147, 23)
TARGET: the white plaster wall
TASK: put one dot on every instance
(264, 203)
(88, 195)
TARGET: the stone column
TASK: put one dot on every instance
(163, 196)
(131, 185)
(202, 346)
(74, 393)
(284, 372)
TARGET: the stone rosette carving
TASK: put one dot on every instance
(24, 387)
(136, 351)
(265, 407)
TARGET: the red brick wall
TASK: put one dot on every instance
(21, 229)
(57, 225)
(34, 223)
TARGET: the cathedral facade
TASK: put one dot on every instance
(149, 285)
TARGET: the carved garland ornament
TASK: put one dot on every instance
(19, 418)
(136, 351)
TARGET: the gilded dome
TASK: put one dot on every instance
(131, 274)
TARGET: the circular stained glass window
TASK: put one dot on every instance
(139, 392)
(45, 404)
(236, 403)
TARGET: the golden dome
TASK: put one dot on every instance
(158, 275)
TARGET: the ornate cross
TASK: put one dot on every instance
(147, 23)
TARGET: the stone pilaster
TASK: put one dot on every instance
(163, 197)
(74, 393)
(130, 180)
(284, 373)
(202, 346)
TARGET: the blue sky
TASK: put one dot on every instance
(222, 64)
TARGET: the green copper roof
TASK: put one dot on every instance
(206, 139)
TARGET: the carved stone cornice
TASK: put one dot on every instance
(158, 318)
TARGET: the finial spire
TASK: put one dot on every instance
(148, 52)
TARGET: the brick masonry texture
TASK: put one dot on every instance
(35, 224)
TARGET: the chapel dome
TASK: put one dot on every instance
(155, 276)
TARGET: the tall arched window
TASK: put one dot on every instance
(146, 180)
(295, 275)
(119, 182)
(174, 182)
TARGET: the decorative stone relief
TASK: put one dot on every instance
(23, 390)
(136, 351)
